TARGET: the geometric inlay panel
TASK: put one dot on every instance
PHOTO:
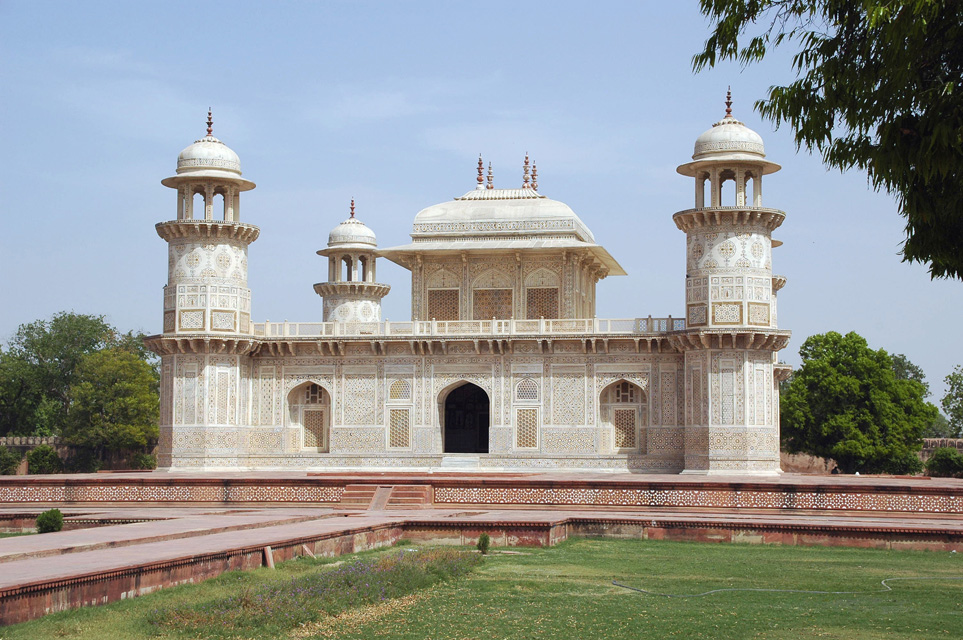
(526, 428)
(399, 430)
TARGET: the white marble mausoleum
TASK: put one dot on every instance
(504, 364)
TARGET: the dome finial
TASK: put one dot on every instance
(729, 102)
(491, 178)
(525, 172)
(210, 122)
(352, 208)
(481, 169)
(534, 177)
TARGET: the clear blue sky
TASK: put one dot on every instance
(390, 103)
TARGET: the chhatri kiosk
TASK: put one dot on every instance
(504, 364)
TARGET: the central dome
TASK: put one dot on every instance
(487, 212)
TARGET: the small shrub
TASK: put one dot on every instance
(946, 462)
(43, 459)
(9, 461)
(143, 461)
(50, 521)
(484, 542)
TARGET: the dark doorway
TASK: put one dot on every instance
(466, 420)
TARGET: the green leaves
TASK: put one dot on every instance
(953, 400)
(847, 403)
(51, 365)
(114, 404)
(875, 91)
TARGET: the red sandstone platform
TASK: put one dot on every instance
(154, 530)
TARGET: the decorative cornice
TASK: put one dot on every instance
(778, 282)
(365, 289)
(193, 228)
(747, 338)
(170, 344)
(715, 216)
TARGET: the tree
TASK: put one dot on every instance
(877, 88)
(940, 428)
(906, 370)
(40, 365)
(846, 403)
(953, 401)
(114, 403)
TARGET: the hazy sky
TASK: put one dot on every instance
(390, 103)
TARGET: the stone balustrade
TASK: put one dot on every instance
(509, 327)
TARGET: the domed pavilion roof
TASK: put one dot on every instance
(501, 221)
(729, 141)
(352, 234)
(208, 158)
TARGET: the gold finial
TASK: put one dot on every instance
(210, 122)
(534, 177)
(352, 208)
(481, 168)
(491, 178)
(525, 172)
(729, 102)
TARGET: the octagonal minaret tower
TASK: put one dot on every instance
(732, 396)
(205, 346)
(351, 293)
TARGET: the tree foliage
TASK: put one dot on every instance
(113, 403)
(906, 370)
(877, 88)
(41, 364)
(940, 428)
(953, 401)
(846, 403)
(9, 461)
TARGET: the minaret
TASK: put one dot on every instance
(206, 288)
(732, 396)
(205, 346)
(351, 293)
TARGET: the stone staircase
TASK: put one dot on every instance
(410, 497)
(358, 496)
(372, 497)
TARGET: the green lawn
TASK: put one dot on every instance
(567, 592)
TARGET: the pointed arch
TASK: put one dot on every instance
(623, 409)
(464, 411)
(309, 410)
(492, 279)
(542, 277)
(443, 279)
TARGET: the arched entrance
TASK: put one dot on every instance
(466, 422)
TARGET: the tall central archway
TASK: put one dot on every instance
(466, 415)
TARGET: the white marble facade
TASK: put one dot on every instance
(504, 364)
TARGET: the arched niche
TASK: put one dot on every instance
(309, 410)
(623, 409)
